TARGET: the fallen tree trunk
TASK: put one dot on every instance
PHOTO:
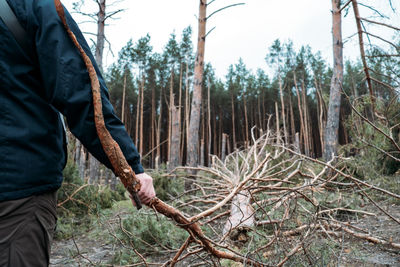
(241, 217)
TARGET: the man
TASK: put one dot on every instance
(35, 85)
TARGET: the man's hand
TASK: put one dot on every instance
(146, 192)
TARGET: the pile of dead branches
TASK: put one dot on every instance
(267, 203)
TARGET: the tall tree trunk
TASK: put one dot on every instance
(302, 128)
(215, 136)
(246, 123)
(233, 121)
(193, 145)
(101, 17)
(187, 107)
(80, 158)
(209, 125)
(307, 135)
(278, 130)
(170, 121)
(137, 118)
(332, 125)
(153, 123)
(141, 139)
(264, 112)
(223, 148)
(158, 133)
(283, 110)
(181, 127)
(94, 164)
(174, 145)
(123, 100)
(321, 114)
(202, 152)
(260, 126)
(292, 125)
(203, 132)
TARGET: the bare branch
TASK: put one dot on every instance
(373, 9)
(209, 32)
(382, 83)
(113, 13)
(382, 39)
(209, 16)
(380, 23)
(344, 6)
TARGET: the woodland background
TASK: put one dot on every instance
(333, 128)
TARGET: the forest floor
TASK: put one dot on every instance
(96, 246)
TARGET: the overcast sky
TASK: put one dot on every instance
(245, 31)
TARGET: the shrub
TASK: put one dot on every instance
(150, 233)
(167, 187)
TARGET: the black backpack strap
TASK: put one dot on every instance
(12, 23)
(20, 35)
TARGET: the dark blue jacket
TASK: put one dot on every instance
(33, 90)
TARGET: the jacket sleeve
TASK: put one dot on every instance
(67, 84)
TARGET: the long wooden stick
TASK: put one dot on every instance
(114, 153)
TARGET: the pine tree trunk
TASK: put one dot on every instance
(202, 152)
(264, 112)
(209, 125)
(278, 130)
(233, 121)
(292, 125)
(217, 148)
(302, 128)
(187, 107)
(101, 17)
(203, 133)
(94, 166)
(259, 114)
(242, 216)
(223, 147)
(153, 123)
(137, 119)
(193, 144)
(158, 133)
(321, 112)
(181, 127)
(215, 136)
(112, 178)
(297, 142)
(123, 100)
(80, 158)
(307, 135)
(283, 111)
(141, 139)
(332, 125)
(174, 145)
(246, 123)
(171, 106)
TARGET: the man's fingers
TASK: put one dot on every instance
(147, 192)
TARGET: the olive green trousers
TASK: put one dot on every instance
(26, 230)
